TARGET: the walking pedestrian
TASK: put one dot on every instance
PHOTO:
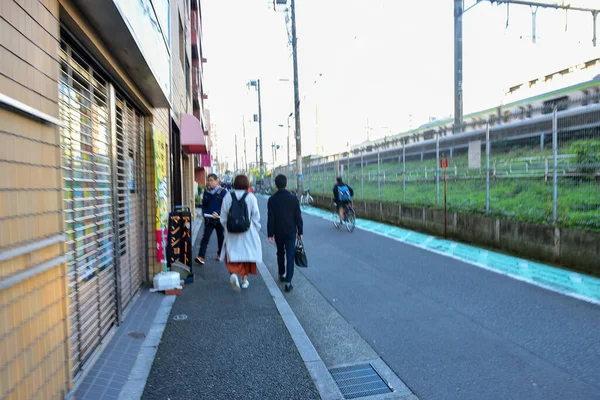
(212, 201)
(241, 218)
(284, 225)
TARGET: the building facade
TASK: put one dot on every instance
(98, 135)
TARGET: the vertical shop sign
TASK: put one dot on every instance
(180, 238)
(160, 191)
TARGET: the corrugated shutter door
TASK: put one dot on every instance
(84, 109)
(130, 167)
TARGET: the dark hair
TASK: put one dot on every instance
(281, 181)
(339, 180)
(214, 176)
(241, 182)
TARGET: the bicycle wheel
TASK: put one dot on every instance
(335, 218)
(350, 221)
(303, 201)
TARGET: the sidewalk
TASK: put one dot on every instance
(227, 345)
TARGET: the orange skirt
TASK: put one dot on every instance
(241, 268)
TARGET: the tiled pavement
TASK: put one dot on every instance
(109, 374)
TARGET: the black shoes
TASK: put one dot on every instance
(288, 288)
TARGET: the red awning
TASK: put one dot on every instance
(192, 135)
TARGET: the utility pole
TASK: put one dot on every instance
(458, 54)
(256, 83)
(236, 155)
(245, 153)
(299, 188)
(262, 165)
(256, 150)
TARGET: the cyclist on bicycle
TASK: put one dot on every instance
(342, 196)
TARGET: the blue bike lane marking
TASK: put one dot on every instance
(573, 284)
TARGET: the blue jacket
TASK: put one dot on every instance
(212, 202)
(285, 219)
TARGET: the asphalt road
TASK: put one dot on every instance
(451, 330)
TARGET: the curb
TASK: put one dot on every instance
(136, 381)
(326, 386)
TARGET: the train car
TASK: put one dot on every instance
(578, 95)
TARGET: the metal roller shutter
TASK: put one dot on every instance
(84, 109)
(104, 201)
(130, 162)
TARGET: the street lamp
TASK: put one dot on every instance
(256, 84)
(275, 147)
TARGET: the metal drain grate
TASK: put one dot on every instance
(359, 381)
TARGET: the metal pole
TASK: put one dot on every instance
(236, 155)
(533, 25)
(445, 206)
(594, 39)
(458, 53)
(378, 177)
(115, 199)
(296, 100)
(262, 165)
(404, 170)
(348, 173)
(245, 153)
(323, 175)
(555, 170)
(437, 170)
(487, 168)
(362, 177)
(288, 140)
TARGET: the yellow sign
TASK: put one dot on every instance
(161, 191)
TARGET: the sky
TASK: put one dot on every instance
(370, 68)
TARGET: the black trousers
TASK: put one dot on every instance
(209, 226)
(286, 249)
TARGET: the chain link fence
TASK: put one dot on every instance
(544, 169)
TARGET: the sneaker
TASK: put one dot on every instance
(288, 287)
(235, 282)
(245, 284)
(281, 278)
(200, 260)
(218, 258)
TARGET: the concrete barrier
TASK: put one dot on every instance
(578, 250)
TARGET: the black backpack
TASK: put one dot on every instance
(238, 220)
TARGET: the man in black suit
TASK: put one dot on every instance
(284, 225)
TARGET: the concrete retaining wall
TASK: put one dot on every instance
(575, 249)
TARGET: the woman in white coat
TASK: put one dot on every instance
(241, 251)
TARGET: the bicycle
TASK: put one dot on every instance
(349, 217)
(306, 199)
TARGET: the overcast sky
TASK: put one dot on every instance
(386, 64)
